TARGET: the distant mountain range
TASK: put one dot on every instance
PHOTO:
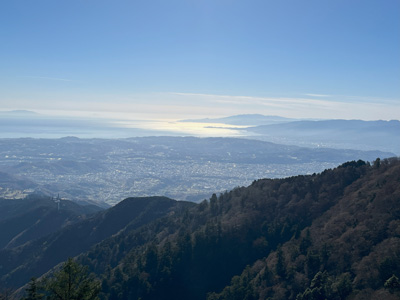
(246, 120)
(333, 235)
(18, 113)
(345, 134)
(340, 134)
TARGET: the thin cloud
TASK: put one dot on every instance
(47, 78)
(318, 95)
(356, 99)
(331, 107)
(191, 105)
(245, 100)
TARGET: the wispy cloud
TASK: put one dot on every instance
(47, 78)
(330, 106)
(318, 95)
(180, 105)
(283, 102)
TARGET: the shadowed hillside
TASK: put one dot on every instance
(190, 255)
(23, 220)
(18, 264)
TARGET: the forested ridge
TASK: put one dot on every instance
(333, 235)
(37, 256)
(351, 251)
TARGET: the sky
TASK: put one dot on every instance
(201, 58)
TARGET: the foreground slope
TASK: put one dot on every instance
(349, 252)
(286, 229)
(333, 235)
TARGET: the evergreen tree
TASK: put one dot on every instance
(33, 291)
(6, 294)
(72, 282)
(393, 284)
(280, 267)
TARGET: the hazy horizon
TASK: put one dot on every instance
(182, 59)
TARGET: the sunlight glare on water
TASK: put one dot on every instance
(185, 128)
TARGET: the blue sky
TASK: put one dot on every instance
(184, 59)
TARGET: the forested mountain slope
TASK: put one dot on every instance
(349, 252)
(333, 235)
(23, 220)
(36, 257)
(340, 222)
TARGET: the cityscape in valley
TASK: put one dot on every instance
(106, 171)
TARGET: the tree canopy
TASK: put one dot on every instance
(71, 282)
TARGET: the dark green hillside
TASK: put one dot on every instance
(188, 256)
(35, 258)
(348, 252)
(22, 220)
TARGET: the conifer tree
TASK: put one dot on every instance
(72, 282)
(33, 290)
